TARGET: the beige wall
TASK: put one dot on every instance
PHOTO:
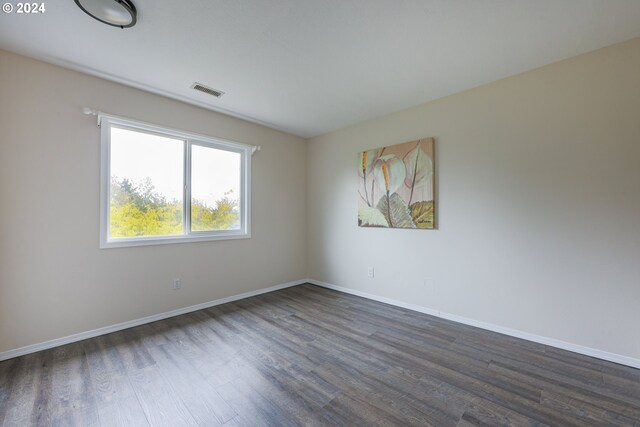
(54, 281)
(539, 204)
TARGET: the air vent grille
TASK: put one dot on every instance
(208, 90)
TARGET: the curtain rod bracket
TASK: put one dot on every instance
(91, 112)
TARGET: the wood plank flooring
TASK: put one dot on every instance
(314, 357)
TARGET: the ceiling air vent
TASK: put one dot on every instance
(208, 90)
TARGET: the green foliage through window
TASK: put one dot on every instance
(138, 210)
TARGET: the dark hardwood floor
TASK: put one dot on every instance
(311, 356)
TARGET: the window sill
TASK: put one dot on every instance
(168, 240)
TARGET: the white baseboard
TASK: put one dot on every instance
(552, 342)
(131, 323)
(588, 351)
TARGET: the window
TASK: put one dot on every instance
(165, 186)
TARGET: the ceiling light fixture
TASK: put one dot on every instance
(118, 13)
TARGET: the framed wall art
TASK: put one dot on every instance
(396, 187)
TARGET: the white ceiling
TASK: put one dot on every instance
(312, 66)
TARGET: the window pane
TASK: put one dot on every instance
(215, 189)
(147, 173)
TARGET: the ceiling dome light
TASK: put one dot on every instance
(119, 13)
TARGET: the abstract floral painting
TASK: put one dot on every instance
(396, 186)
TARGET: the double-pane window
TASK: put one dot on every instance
(164, 186)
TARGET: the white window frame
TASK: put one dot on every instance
(107, 121)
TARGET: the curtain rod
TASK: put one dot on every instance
(99, 114)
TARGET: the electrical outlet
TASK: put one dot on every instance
(177, 284)
(370, 272)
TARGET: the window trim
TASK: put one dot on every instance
(106, 121)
